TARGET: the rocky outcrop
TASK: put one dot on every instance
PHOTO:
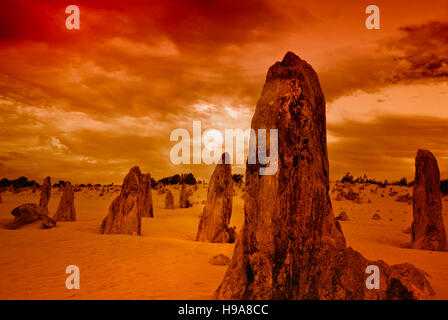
(215, 219)
(28, 213)
(45, 194)
(404, 198)
(219, 260)
(24, 214)
(343, 216)
(428, 231)
(169, 200)
(185, 192)
(47, 222)
(128, 208)
(290, 246)
(66, 209)
(376, 216)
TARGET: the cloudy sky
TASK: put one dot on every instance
(88, 104)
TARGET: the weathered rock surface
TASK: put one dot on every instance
(169, 200)
(290, 246)
(47, 222)
(220, 260)
(45, 193)
(215, 219)
(24, 214)
(376, 216)
(128, 208)
(66, 208)
(343, 216)
(146, 196)
(428, 231)
(183, 197)
(233, 235)
(28, 213)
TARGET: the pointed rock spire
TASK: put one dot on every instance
(45, 194)
(127, 209)
(291, 246)
(428, 231)
(66, 209)
(215, 219)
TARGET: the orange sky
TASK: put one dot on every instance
(86, 105)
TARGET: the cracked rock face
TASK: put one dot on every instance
(45, 193)
(215, 219)
(428, 231)
(66, 209)
(128, 208)
(291, 246)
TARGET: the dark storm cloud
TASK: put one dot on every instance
(419, 55)
(386, 146)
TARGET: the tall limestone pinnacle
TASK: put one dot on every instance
(291, 246)
(66, 209)
(45, 195)
(128, 208)
(428, 231)
(215, 219)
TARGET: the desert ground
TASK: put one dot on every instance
(165, 262)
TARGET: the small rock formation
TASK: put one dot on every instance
(220, 260)
(45, 193)
(376, 216)
(392, 193)
(160, 188)
(291, 246)
(47, 222)
(28, 213)
(428, 231)
(353, 196)
(342, 216)
(169, 200)
(338, 197)
(215, 219)
(146, 194)
(404, 198)
(183, 197)
(128, 208)
(24, 214)
(66, 209)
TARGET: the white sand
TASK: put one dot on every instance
(166, 262)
